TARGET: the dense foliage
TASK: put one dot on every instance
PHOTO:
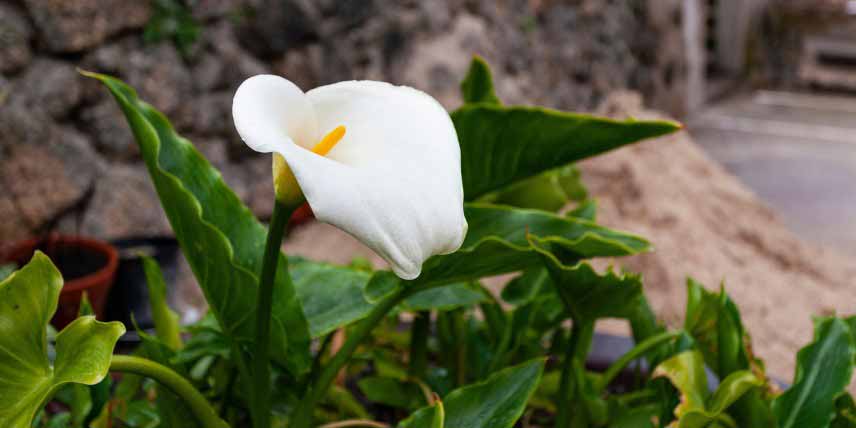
(443, 350)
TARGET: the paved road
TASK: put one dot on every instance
(796, 151)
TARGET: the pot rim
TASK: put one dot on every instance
(102, 274)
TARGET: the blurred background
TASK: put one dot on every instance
(759, 190)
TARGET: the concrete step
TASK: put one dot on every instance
(797, 152)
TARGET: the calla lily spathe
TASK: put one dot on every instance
(379, 161)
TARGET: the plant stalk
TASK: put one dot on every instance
(303, 414)
(419, 344)
(578, 345)
(260, 408)
(198, 405)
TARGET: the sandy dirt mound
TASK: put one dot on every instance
(704, 223)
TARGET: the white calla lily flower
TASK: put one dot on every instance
(379, 161)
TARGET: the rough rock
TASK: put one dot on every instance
(21, 125)
(12, 227)
(211, 9)
(704, 223)
(76, 25)
(208, 72)
(256, 176)
(284, 24)
(110, 130)
(433, 70)
(238, 64)
(45, 178)
(124, 204)
(52, 86)
(160, 76)
(212, 114)
(15, 34)
(157, 72)
(303, 66)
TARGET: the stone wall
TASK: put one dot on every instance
(68, 162)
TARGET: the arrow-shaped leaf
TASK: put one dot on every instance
(221, 239)
(823, 371)
(28, 300)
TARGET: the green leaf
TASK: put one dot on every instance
(586, 210)
(392, 392)
(334, 296)
(446, 298)
(498, 242)
(589, 295)
(85, 306)
(714, 322)
(141, 414)
(342, 399)
(495, 403)
(221, 239)
(503, 145)
(823, 371)
(331, 296)
(845, 412)
(686, 372)
(381, 284)
(60, 420)
(477, 86)
(76, 397)
(433, 417)
(28, 300)
(99, 394)
(527, 286)
(731, 389)
(166, 321)
(171, 409)
(637, 417)
(548, 191)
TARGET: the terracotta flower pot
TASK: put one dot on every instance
(86, 265)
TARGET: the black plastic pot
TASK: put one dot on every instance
(130, 294)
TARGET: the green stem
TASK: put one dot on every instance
(459, 325)
(303, 414)
(578, 344)
(198, 405)
(419, 344)
(228, 394)
(260, 408)
(638, 351)
(499, 357)
(316, 362)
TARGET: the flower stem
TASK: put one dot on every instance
(194, 400)
(579, 342)
(303, 414)
(419, 332)
(260, 408)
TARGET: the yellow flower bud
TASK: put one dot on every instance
(285, 184)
